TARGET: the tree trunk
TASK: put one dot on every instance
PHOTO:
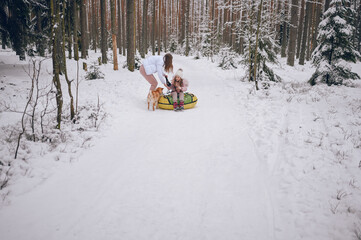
(153, 29)
(165, 26)
(159, 25)
(231, 28)
(72, 112)
(187, 27)
(359, 30)
(212, 19)
(317, 19)
(241, 38)
(119, 38)
(40, 40)
(327, 5)
(305, 34)
(310, 30)
(300, 25)
(130, 35)
(104, 45)
(293, 34)
(70, 43)
(284, 31)
(83, 27)
(55, 19)
(139, 26)
(143, 47)
(256, 49)
(75, 30)
(278, 24)
(3, 39)
(123, 27)
(182, 22)
(94, 25)
(114, 36)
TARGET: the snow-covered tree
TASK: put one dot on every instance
(205, 40)
(260, 44)
(335, 48)
(227, 58)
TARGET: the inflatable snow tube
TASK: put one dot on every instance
(166, 101)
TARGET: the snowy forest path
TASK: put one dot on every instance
(157, 175)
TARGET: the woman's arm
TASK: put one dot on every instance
(161, 74)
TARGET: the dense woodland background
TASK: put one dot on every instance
(183, 26)
(226, 28)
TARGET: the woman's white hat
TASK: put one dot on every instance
(179, 73)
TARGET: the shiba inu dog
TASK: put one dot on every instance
(154, 96)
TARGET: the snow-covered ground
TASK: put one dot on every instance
(282, 163)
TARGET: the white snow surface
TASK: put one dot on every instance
(282, 163)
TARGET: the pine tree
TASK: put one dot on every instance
(284, 36)
(358, 27)
(39, 28)
(260, 45)
(83, 29)
(153, 28)
(335, 46)
(114, 36)
(14, 23)
(305, 34)
(293, 34)
(68, 81)
(187, 27)
(130, 35)
(119, 37)
(75, 30)
(144, 42)
(300, 27)
(103, 39)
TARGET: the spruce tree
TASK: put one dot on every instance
(260, 45)
(18, 25)
(335, 48)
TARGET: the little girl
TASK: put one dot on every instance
(178, 87)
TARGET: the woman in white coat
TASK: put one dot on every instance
(157, 64)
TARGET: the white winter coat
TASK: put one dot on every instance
(153, 64)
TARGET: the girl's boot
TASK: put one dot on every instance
(175, 106)
(181, 105)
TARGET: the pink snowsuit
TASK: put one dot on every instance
(181, 91)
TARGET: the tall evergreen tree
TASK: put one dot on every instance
(15, 24)
(335, 46)
(260, 45)
(39, 25)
